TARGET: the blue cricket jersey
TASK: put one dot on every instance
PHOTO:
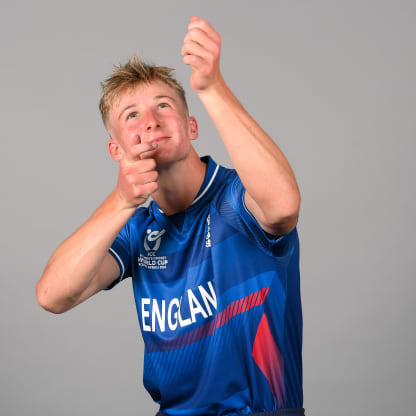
(218, 303)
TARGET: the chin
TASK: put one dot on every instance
(166, 159)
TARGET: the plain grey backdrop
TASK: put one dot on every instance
(333, 82)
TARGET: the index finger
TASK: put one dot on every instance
(202, 24)
(136, 151)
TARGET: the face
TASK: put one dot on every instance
(152, 113)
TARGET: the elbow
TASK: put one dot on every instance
(287, 210)
(44, 300)
(290, 211)
(283, 218)
(282, 225)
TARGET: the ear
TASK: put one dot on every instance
(115, 150)
(193, 128)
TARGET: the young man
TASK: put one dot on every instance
(213, 259)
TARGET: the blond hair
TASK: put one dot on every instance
(127, 76)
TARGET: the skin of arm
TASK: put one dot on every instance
(272, 194)
(81, 266)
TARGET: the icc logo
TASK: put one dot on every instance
(153, 236)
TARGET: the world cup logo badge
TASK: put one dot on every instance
(153, 238)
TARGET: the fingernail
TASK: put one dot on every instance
(154, 144)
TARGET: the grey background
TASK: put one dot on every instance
(333, 82)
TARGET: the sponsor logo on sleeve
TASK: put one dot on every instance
(208, 234)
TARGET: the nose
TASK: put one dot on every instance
(150, 121)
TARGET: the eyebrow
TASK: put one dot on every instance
(165, 96)
(157, 97)
(129, 106)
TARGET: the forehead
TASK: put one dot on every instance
(139, 95)
(144, 92)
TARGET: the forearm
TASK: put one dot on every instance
(75, 262)
(260, 164)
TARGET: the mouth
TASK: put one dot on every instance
(159, 139)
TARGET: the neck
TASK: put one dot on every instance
(179, 184)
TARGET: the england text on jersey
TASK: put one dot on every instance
(155, 310)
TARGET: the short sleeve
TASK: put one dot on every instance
(232, 208)
(120, 250)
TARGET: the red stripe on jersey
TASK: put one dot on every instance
(267, 356)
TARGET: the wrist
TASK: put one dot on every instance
(217, 87)
(120, 203)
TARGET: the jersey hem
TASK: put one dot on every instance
(278, 412)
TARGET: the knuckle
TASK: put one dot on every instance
(143, 166)
(138, 190)
(154, 176)
(148, 177)
(152, 163)
(148, 164)
(151, 187)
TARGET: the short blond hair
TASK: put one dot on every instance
(129, 75)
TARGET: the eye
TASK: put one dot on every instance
(131, 115)
(163, 105)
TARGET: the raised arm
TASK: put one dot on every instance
(272, 194)
(81, 266)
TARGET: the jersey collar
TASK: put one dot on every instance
(210, 175)
(206, 188)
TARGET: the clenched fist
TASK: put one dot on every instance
(137, 178)
(201, 50)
